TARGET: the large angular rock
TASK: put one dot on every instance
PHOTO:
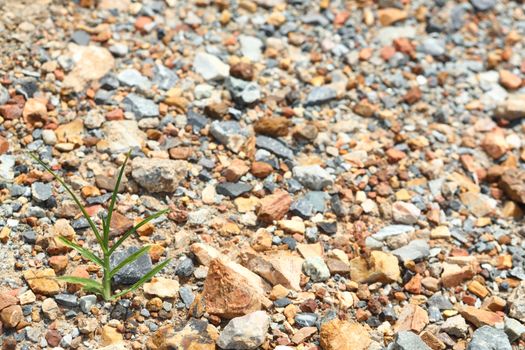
(343, 335)
(42, 281)
(159, 175)
(380, 267)
(133, 272)
(517, 302)
(489, 338)
(512, 182)
(274, 206)
(231, 290)
(245, 332)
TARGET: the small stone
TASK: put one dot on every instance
(28, 297)
(133, 78)
(516, 301)
(110, 335)
(453, 274)
(210, 67)
(132, 272)
(316, 269)
(242, 70)
(87, 325)
(41, 192)
(483, 5)
(389, 16)
(272, 126)
(11, 316)
(233, 189)
(162, 287)
(509, 80)
(512, 108)
(261, 169)
(512, 183)
(414, 251)
(489, 338)
(272, 145)
(343, 335)
(68, 300)
(196, 334)
(411, 318)
(478, 289)
(313, 176)
(455, 326)
(86, 302)
(320, 95)
(274, 206)
(251, 47)
(480, 317)
(90, 63)
(380, 267)
(50, 309)
(42, 281)
(235, 170)
(406, 340)
(34, 111)
(159, 175)
(141, 107)
(246, 332)
(405, 213)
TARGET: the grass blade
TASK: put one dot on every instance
(107, 222)
(129, 259)
(135, 228)
(73, 196)
(144, 279)
(83, 251)
(86, 282)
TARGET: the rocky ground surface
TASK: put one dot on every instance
(341, 174)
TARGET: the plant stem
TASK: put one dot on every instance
(106, 283)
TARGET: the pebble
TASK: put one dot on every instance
(316, 269)
(133, 272)
(210, 67)
(246, 332)
(141, 107)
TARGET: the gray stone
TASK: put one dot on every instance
(164, 77)
(440, 301)
(7, 164)
(4, 95)
(229, 133)
(159, 175)
(251, 47)
(276, 147)
(432, 46)
(132, 272)
(66, 340)
(123, 135)
(141, 107)
(87, 302)
(245, 332)
(33, 334)
(392, 230)
(243, 91)
(210, 67)
(483, 5)
(68, 300)
(306, 319)
(513, 328)
(415, 250)
(186, 295)
(406, 340)
(119, 50)
(302, 207)
(41, 191)
(489, 338)
(233, 189)
(517, 302)
(185, 268)
(455, 326)
(313, 176)
(316, 269)
(80, 37)
(133, 78)
(320, 95)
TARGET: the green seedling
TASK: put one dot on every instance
(91, 285)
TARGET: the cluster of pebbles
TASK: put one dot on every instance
(341, 175)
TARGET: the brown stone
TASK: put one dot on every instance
(231, 290)
(216, 110)
(110, 335)
(119, 224)
(72, 132)
(480, 317)
(181, 153)
(11, 316)
(365, 109)
(35, 111)
(58, 262)
(453, 274)
(274, 206)
(512, 182)
(432, 341)
(302, 334)
(242, 70)
(195, 335)
(235, 170)
(6, 300)
(511, 109)
(412, 318)
(412, 96)
(389, 16)
(42, 281)
(394, 155)
(53, 337)
(478, 289)
(279, 267)
(272, 126)
(414, 285)
(494, 144)
(494, 303)
(261, 169)
(343, 335)
(380, 267)
(509, 80)
(11, 111)
(4, 145)
(306, 132)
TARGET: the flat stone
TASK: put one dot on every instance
(41, 191)
(251, 47)
(90, 63)
(273, 145)
(512, 182)
(411, 318)
(320, 95)
(68, 300)
(406, 340)
(159, 175)
(313, 176)
(132, 272)
(245, 332)
(210, 67)
(274, 206)
(483, 5)
(162, 287)
(42, 281)
(141, 107)
(392, 230)
(133, 78)
(316, 269)
(405, 213)
(194, 335)
(415, 250)
(381, 267)
(514, 329)
(230, 133)
(516, 301)
(233, 189)
(455, 326)
(343, 335)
